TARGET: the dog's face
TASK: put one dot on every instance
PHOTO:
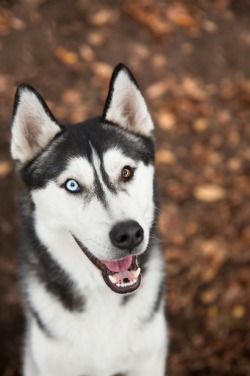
(92, 180)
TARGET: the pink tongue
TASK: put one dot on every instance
(118, 265)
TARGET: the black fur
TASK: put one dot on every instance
(158, 300)
(40, 322)
(77, 140)
(37, 261)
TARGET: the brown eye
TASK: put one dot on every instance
(127, 172)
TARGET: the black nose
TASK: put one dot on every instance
(126, 235)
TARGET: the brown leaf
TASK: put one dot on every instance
(87, 53)
(164, 156)
(209, 193)
(102, 69)
(165, 119)
(66, 56)
(200, 124)
(180, 16)
(157, 89)
(239, 311)
(150, 17)
(6, 167)
(101, 17)
(192, 88)
(4, 22)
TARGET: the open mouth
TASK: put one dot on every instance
(122, 276)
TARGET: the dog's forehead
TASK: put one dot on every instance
(104, 138)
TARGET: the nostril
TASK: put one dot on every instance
(126, 235)
(139, 233)
(123, 238)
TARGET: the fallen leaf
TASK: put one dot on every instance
(210, 26)
(180, 16)
(200, 124)
(187, 48)
(4, 22)
(96, 38)
(212, 311)
(150, 17)
(159, 61)
(66, 56)
(192, 88)
(17, 24)
(165, 119)
(6, 167)
(157, 89)
(71, 96)
(102, 69)
(209, 296)
(87, 53)
(209, 193)
(164, 156)
(239, 311)
(101, 17)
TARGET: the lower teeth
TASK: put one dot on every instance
(117, 280)
(126, 284)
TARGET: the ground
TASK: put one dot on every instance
(191, 60)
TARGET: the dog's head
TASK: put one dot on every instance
(93, 181)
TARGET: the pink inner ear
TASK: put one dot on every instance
(118, 265)
(127, 106)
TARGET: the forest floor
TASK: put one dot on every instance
(191, 60)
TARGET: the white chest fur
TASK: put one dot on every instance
(108, 337)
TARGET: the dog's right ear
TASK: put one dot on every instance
(125, 104)
(33, 125)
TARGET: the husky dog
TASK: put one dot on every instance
(92, 271)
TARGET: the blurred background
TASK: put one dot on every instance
(192, 61)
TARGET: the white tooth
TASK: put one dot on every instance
(112, 279)
(136, 272)
(118, 285)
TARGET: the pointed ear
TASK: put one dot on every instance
(33, 125)
(125, 104)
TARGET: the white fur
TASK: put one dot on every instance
(128, 107)
(31, 123)
(107, 339)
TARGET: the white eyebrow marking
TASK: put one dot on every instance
(114, 160)
(80, 169)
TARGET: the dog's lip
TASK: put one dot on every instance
(106, 272)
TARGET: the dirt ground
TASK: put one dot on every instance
(191, 59)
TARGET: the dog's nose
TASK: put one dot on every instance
(126, 235)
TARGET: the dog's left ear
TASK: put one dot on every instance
(33, 125)
(125, 105)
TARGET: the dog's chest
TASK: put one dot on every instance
(107, 334)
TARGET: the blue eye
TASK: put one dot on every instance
(72, 186)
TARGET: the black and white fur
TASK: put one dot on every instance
(78, 323)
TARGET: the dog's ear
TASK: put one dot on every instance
(33, 125)
(125, 105)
